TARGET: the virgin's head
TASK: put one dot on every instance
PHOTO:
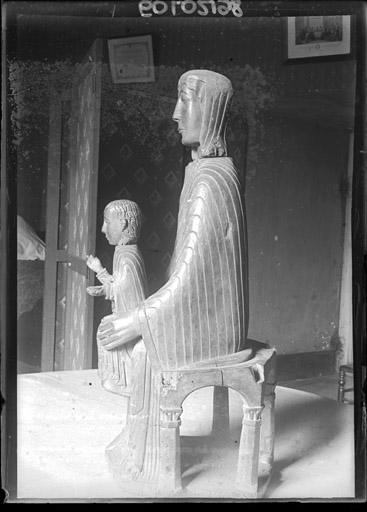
(201, 111)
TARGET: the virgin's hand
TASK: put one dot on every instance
(108, 318)
(115, 331)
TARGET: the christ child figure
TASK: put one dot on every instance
(126, 288)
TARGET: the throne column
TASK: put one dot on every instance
(248, 457)
(169, 450)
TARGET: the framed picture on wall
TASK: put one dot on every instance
(131, 59)
(318, 36)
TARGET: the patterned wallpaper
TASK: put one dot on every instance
(127, 172)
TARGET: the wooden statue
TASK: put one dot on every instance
(125, 288)
(201, 313)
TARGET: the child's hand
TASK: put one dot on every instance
(94, 264)
(95, 291)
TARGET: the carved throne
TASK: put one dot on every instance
(254, 380)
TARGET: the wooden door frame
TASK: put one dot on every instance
(54, 255)
(52, 228)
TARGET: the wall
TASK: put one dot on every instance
(32, 181)
(130, 169)
(295, 223)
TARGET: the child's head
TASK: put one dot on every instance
(122, 222)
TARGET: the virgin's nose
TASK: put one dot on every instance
(176, 113)
(103, 228)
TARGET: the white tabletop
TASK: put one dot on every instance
(65, 421)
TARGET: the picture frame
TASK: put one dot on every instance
(318, 36)
(131, 59)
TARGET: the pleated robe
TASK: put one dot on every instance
(201, 313)
(126, 370)
(127, 288)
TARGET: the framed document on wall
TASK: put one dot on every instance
(131, 59)
(318, 36)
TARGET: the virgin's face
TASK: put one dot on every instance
(112, 227)
(187, 115)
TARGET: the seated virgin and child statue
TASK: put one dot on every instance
(201, 313)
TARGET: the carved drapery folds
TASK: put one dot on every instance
(202, 311)
(128, 287)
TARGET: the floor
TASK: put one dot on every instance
(61, 441)
(326, 386)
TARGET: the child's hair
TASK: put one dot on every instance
(131, 212)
